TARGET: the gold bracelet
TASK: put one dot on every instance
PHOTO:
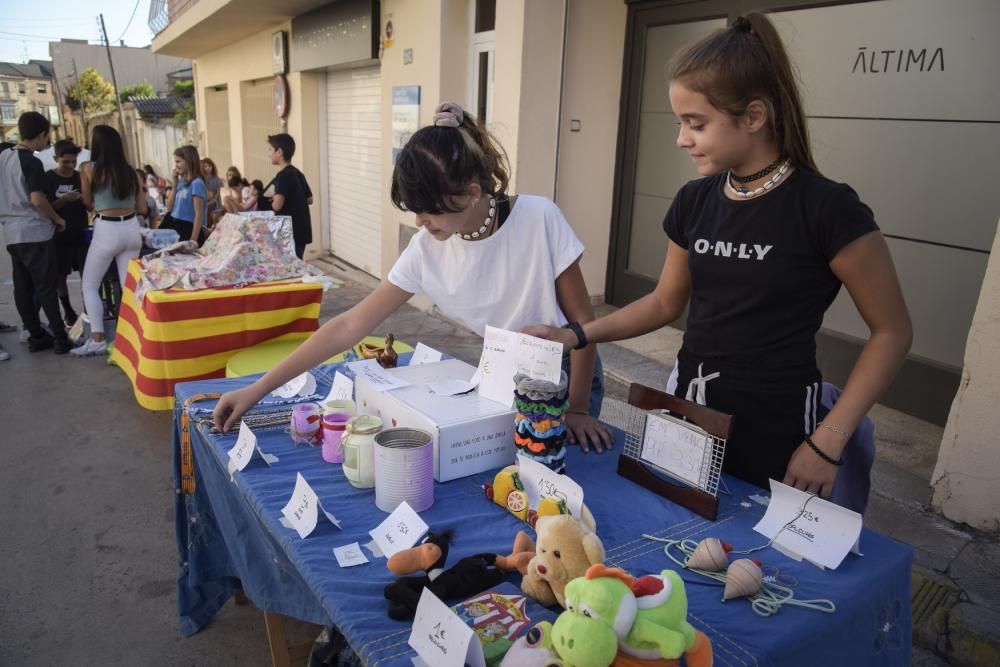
(841, 432)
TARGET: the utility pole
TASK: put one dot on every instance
(114, 81)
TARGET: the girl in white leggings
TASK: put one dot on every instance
(111, 188)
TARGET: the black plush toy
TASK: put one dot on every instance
(468, 576)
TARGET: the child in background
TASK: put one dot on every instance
(760, 246)
(484, 255)
(186, 198)
(152, 218)
(71, 245)
(29, 223)
(292, 195)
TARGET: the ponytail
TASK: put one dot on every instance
(439, 162)
(747, 61)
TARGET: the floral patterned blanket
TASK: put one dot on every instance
(240, 251)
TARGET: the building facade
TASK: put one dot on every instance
(26, 87)
(900, 95)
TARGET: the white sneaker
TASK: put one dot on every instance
(91, 348)
(4, 354)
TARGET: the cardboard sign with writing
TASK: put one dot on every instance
(303, 511)
(400, 531)
(342, 388)
(540, 481)
(506, 353)
(806, 526)
(301, 385)
(441, 638)
(244, 450)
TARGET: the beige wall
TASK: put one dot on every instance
(250, 59)
(591, 94)
(968, 468)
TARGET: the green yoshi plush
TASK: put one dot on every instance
(608, 610)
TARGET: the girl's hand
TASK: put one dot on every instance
(584, 430)
(231, 407)
(808, 472)
(556, 334)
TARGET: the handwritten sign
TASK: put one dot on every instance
(424, 355)
(400, 531)
(441, 638)
(376, 376)
(301, 385)
(538, 358)
(539, 481)
(304, 509)
(350, 555)
(676, 446)
(244, 449)
(506, 353)
(806, 526)
(342, 388)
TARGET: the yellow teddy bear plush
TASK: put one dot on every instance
(564, 549)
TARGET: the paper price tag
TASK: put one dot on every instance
(376, 375)
(245, 449)
(302, 385)
(441, 638)
(304, 509)
(342, 388)
(400, 531)
(424, 355)
(539, 358)
(540, 481)
(350, 555)
(821, 532)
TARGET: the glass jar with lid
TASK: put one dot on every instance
(359, 450)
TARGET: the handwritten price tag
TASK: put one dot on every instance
(303, 510)
(538, 358)
(376, 376)
(245, 448)
(424, 355)
(302, 385)
(506, 353)
(342, 388)
(539, 481)
(400, 531)
(441, 638)
(350, 555)
(805, 526)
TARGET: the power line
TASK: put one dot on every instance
(25, 34)
(129, 21)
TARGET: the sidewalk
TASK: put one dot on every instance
(956, 573)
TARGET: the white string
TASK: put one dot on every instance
(767, 601)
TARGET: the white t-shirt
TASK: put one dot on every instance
(506, 280)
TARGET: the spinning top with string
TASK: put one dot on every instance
(711, 555)
(743, 578)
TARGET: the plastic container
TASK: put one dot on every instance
(359, 450)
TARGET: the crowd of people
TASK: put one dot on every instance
(89, 219)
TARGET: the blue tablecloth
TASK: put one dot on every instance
(229, 536)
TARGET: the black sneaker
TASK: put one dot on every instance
(39, 343)
(62, 345)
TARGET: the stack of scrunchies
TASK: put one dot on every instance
(540, 431)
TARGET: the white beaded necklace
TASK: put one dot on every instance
(482, 230)
(749, 194)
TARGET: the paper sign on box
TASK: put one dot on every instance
(506, 353)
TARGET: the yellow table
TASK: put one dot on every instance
(264, 356)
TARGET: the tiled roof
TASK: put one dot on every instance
(34, 70)
(158, 106)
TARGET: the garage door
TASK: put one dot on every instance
(354, 144)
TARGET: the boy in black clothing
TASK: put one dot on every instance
(71, 245)
(28, 226)
(292, 195)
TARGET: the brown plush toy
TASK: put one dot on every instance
(565, 548)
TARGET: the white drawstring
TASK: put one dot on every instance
(696, 388)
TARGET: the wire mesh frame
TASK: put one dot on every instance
(632, 421)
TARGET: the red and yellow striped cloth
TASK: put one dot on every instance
(181, 335)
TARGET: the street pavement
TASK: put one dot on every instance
(88, 538)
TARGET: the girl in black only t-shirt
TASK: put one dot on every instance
(760, 246)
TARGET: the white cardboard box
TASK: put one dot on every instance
(471, 434)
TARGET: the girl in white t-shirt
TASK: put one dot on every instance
(483, 255)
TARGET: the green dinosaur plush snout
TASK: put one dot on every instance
(584, 642)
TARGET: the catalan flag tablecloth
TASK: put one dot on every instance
(182, 335)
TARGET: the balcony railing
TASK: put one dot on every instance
(159, 16)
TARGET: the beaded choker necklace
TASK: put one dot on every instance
(744, 193)
(743, 180)
(482, 230)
